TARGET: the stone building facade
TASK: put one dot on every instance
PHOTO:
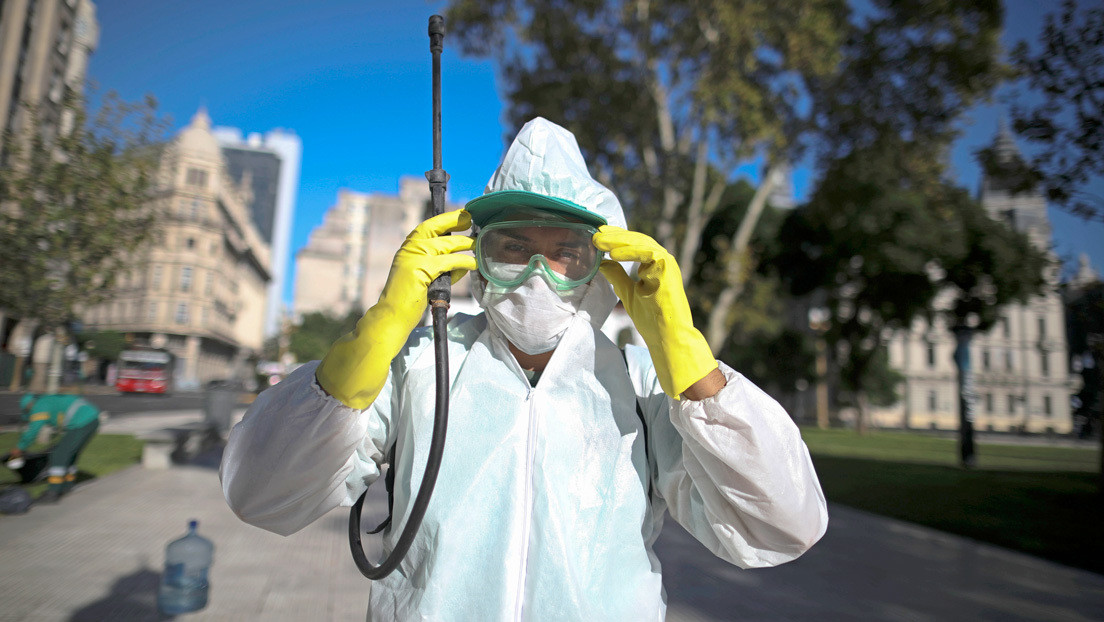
(347, 258)
(199, 289)
(45, 46)
(44, 50)
(1021, 365)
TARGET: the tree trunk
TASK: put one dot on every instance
(822, 381)
(57, 356)
(966, 397)
(736, 272)
(700, 209)
(860, 413)
(672, 197)
(1098, 359)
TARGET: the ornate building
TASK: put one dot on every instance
(1021, 365)
(199, 290)
(346, 260)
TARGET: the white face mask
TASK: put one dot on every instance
(532, 315)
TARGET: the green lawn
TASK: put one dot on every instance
(1039, 500)
(106, 453)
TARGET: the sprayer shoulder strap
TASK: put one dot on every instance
(389, 483)
(643, 425)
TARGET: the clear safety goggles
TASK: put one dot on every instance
(508, 252)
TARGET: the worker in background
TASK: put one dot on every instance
(75, 419)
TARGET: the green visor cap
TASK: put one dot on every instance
(488, 207)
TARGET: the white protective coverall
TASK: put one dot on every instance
(541, 510)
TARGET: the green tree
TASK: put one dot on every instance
(885, 120)
(103, 344)
(984, 266)
(667, 99)
(1067, 73)
(863, 244)
(75, 207)
(1085, 322)
(311, 339)
(910, 69)
(760, 343)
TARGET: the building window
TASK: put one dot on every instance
(156, 281)
(985, 359)
(1008, 360)
(209, 285)
(196, 177)
(193, 211)
(932, 400)
(988, 402)
(181, 313)
(1011, 404)
(189, 243)
(1044, 364)
(1046, 406)
(186, 278)
(151, 312)
(931, 355)
(1006, 327)
(1042, 327)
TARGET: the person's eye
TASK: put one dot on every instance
(568, 255)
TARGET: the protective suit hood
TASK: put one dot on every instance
(544, 169)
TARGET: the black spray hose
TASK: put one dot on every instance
(440, 294)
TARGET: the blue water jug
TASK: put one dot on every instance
(184, 582)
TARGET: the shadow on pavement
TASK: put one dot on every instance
(210, 457)
(132, 597)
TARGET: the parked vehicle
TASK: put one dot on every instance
(145, 370)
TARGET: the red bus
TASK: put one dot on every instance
(145, 370)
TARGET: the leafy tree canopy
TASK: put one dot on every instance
(644, 85)
(880, 249)
(1067, 73)
(311, 339)
(910, 68)
(74, 208)
(104, 344)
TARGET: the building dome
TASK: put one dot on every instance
(197, 138)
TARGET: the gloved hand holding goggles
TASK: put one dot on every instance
(508, 252)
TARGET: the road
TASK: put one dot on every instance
(114, 403)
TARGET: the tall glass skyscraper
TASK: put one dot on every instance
(268, 166)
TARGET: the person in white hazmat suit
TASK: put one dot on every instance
(563, 452)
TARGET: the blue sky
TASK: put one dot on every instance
(352, 79)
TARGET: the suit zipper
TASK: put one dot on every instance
(528, 517)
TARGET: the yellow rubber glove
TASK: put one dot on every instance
(356, 366)
(657, 305)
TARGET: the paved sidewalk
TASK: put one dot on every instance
(97, 555)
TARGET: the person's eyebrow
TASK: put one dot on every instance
(570, 244)
(517, 236)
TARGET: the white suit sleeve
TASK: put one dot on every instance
(299, 453)
(735, 473)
